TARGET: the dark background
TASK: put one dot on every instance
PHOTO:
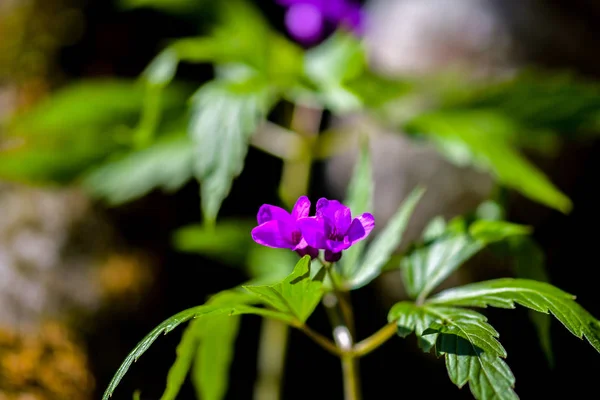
(122, 43)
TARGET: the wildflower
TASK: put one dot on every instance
(333, 228)
(308, 20)
(279, 229)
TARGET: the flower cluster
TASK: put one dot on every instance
(332, 229)
(309, 20)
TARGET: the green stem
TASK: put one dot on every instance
(375, 340)
(345, 343)
(350, 374)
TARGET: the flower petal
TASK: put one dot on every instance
(304, 22)
(361, 227)
(269, 234)
(342, 220)
(337, 245)
(267, 212)
(313, 231)
(301, 208)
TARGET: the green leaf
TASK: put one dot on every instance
(174, 6)
(538, 296)
(360, 199)
(470, 325)
(529, 263)
(468, 342)
(486, 138)
(174, 321)
(84, 103)
(161, 71)
(224, 118)
(228, 241)
(541, 101)
(381, 248)
(209, 335)
(329, 65)
(426, 267)
(297, 295)
(412, 318)
(167, 164)
(494, 231)
(489, 377)
(210, 374)
(185, 355)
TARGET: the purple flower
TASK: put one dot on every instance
(278, 228)
(333, 228)
(308, 20)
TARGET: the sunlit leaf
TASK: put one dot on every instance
(412, 318)
(174, 321)
(296, 295)
(425, 267)
(469, 325)
(489, 377)
(223, 119)
(485, 136)
(468, 343)
(529, 262)
(360, 199)
(210, 373)
(386, 242)
(183, 362)
(538, 296)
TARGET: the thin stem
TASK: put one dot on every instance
(343, 297)
(344, 341)
(321, 341)
(375, 340)
(351, 381)
(271, 359)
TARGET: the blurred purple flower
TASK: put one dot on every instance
(308, 20)
(333, 228)
(279, 229)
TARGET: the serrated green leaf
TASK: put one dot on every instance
(167, 165)
(381, 248)
(424, 268)
(529, 263)
(174, 321)
(470, 325)
(360, 199)
(489, 377)
(486, 138)
(297, 295)
(412, 318)
(224, 118)
(467, 341)
(538, 296)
